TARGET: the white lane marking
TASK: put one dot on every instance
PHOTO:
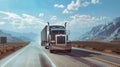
(94, 51)
(109, 62)
(53, 64)
(12, 58)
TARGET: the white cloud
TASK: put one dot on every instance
(85, 4)
(59, 5)
(85, 20)
(2, 23)
(41, 14)
(66, 11)
(61, 22)
(29, 19)
(23, 21)
(94, 1)
(22, 26)
(10, 15)
(74, 6)
(53, 18)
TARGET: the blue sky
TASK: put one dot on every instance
(81, 15)
(34, 7)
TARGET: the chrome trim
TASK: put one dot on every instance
(61, 35)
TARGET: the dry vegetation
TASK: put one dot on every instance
(110, 47)
(10, 48)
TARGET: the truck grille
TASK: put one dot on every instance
(61, 40)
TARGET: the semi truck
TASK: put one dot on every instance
(55, 38)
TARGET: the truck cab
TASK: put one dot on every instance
(58, 39)
(55, 38)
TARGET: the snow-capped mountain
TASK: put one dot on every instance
(108, 32)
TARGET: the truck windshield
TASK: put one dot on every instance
(58, 32)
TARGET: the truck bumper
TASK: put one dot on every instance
(60, 47)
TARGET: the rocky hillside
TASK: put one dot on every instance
(108, 32)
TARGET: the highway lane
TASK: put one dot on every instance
(29, 56)
(111, 58)
(34, 55)
(84, 58)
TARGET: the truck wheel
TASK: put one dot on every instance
(45, 47)
(68, 50)
(51, 51)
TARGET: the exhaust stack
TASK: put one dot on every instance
(65, 24)
(48, 26)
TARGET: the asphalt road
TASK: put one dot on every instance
(34, 55)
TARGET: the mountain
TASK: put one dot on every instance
(10, 38)
(24, 36)
(17, 37)
(106, 32)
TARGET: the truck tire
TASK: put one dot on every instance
(51, 51)
(69, 51)
(46, 47)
